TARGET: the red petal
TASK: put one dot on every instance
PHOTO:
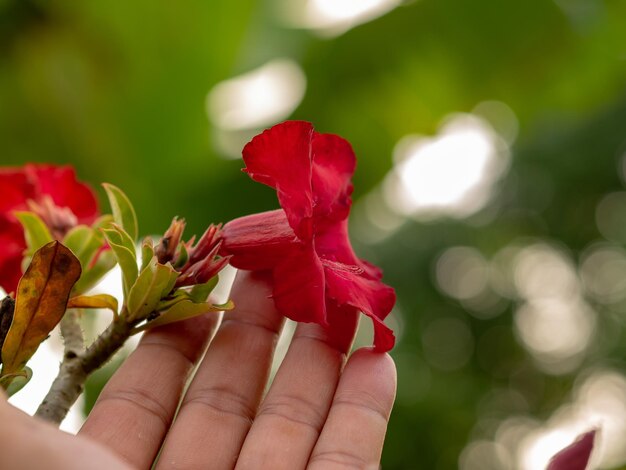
(10, 273)
(15, 189)
(384, 339)
(17, 185)
(575, 456)
(259, 241)
(299, 286)
(60, 183)
(333, 165)
(280, 157)
(347, 285)
(343, 321)
(12, 245)
(333, 244)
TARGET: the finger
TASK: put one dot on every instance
(354, 432)
(292, 414)
(26, 442)
(224, 395)
(136, 408)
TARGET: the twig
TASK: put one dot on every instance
(76, 367)
(72, 333)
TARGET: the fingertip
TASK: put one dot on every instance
(374, 370)
(370, 356)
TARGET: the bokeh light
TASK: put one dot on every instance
(611, 217)
(257, 98)
(451, 174)
(555, 331)
(240, 106)
(462, 272)
(334, 17)
(541, 271)
(553, 322)
(485, 455)
(603, 271)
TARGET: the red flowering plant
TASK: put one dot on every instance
(317, 276)
(53, 195)
(50, 226)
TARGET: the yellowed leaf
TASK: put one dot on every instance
(40, 303)
(94, 301)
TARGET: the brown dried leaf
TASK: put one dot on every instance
(40, 303)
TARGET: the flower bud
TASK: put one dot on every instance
(167, 247)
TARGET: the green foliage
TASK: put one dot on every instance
(36, 232)
(87, 245)
(84, 242)
(123, 211)
(104, 262)
(147, 252)
(201, 292)
(155, 282)
(125, 256)
(184, 304)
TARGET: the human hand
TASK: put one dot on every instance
(316, 414)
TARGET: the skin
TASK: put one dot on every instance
(322, 411)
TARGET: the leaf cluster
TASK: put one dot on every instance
(59, 274)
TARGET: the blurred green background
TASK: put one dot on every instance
(503, 229)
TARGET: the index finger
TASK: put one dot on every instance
(136, 407)
(223, 397)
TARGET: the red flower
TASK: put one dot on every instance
(575, 456)
(50, 191)
(317, 276)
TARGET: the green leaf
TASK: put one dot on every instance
(183, 310)
(94, 301)
(40, 303)
(167, 302)
(126, 258)
(226, 306)
(35, 231)
(119, 236)
(13, 383)
(84, 243)
(169, 287)
(147, 252)
(104, 263)
(123, 211)
(103, 221)
(183, 256)
(201, 292)
(151, 285)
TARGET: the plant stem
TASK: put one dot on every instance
(72, 333)
(78, 365)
